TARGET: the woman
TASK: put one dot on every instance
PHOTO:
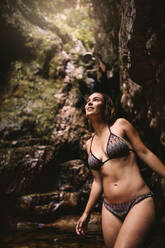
(128, 208)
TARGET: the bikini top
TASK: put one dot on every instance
(116, 147)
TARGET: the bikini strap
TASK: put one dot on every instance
(106, 160)
(108, 137)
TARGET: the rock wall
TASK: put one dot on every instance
(134, 32)
(141, 51)
(43, 171)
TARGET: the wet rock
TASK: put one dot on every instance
(41, 111)
(47, 207)
(66, 223)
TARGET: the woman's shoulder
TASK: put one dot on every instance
(125, 125)
(122, 121)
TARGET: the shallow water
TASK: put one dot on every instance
(50, 239)
(54, 239)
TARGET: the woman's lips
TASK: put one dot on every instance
(90, 108)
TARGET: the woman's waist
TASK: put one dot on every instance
(119, 191)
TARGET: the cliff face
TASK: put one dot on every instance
(50, 61)
(133, 31)
(142, 56)
(42, 129)
(137, 36)
(142, 59)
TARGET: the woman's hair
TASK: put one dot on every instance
(108, 111)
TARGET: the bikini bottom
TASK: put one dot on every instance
(122, 209)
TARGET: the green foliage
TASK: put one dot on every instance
(76, 16)
(86, 37)
(56, 6)
(30, 97)
(77, 23)
(81, 25)
(29, 107)
(68, 46)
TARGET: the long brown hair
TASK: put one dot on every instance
(108, 111)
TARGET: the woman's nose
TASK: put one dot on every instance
(89, 103)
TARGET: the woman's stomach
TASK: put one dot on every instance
(124, 184)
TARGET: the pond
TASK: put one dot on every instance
(56, 239)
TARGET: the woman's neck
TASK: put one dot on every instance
(99, 127)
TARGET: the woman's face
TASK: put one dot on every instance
(94, 105)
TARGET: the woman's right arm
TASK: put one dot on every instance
(96, 190)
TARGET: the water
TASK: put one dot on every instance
(50, 239)
(54, 239)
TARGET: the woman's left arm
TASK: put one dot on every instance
(142, 151)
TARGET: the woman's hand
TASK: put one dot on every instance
(82, 224)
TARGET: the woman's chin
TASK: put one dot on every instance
(89, 114)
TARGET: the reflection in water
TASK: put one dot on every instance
(54, 239)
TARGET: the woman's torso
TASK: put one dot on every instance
(122, 180)
(116, 161)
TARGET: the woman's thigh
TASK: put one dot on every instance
(110, 227)
(136, 225)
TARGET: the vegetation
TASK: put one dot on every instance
(77, 23)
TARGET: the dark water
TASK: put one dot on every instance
(50, 239)
(54, 239)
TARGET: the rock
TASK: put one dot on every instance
(66, 224)
(41, 111)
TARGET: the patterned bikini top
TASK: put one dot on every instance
(116, 147)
